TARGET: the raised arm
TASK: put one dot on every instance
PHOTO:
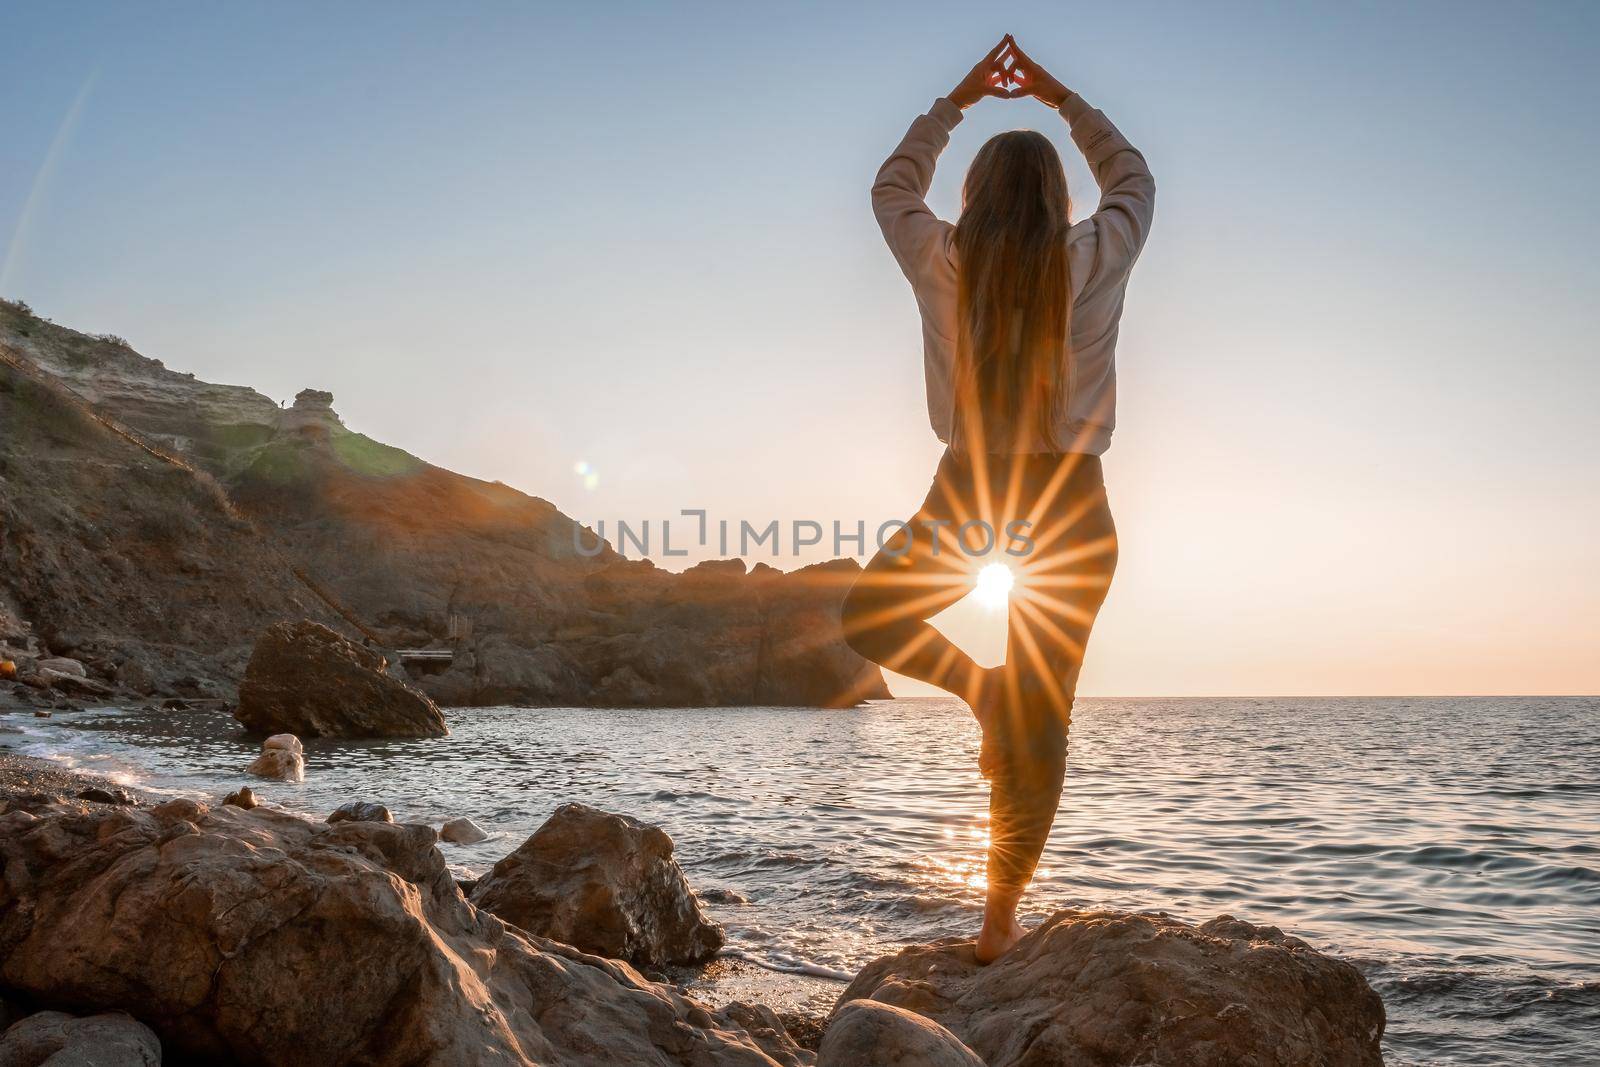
(1127, 189)
(900, 191)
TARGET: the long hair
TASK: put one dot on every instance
(1014, 306)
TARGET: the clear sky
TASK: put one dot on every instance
(1357, 450)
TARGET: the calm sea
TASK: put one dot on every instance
(1449, 847)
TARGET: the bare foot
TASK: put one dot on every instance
(994, 942)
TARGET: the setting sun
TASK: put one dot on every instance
(994, 586)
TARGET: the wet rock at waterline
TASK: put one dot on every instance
(865, 1033)
(244, 797)
(56, 1039)
(305, 679)
(1117, 988)
(257, 937)
(360, 811)
(462, 831)
(605, 883)
(282, 757)
(99, 795)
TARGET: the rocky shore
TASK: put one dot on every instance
(252, 935)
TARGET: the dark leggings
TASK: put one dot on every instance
(1061, 582)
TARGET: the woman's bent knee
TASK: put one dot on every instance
(856, 623)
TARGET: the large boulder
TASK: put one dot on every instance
(865, 1033)
(56, 1039)
(605, 883)
(75, 684)
(257, 937)
(1090, 988)
(305, 679)
(63, 665)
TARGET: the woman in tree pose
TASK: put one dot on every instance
(1020, 309)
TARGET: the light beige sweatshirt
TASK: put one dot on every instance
(1101, 252)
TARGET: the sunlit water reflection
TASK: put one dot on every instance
(1448, 846)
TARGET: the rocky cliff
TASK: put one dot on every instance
(265, 512)
(133, 563)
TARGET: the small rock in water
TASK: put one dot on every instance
(462, 831)
(287, 742)
(41, 714)
(105, 796)
(720, 895)
(361, 811)
(281, 757)
(244, 797)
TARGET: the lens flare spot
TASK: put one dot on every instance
(994, 584)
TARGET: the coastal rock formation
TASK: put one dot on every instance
(716, 634)
(158, 523)
(865, 1033)
(113, 553)
(305, 679)
(311, 415)
(1088, 988)
(260, 938)
(174, 410)
(605, 883)
(56, 1039)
